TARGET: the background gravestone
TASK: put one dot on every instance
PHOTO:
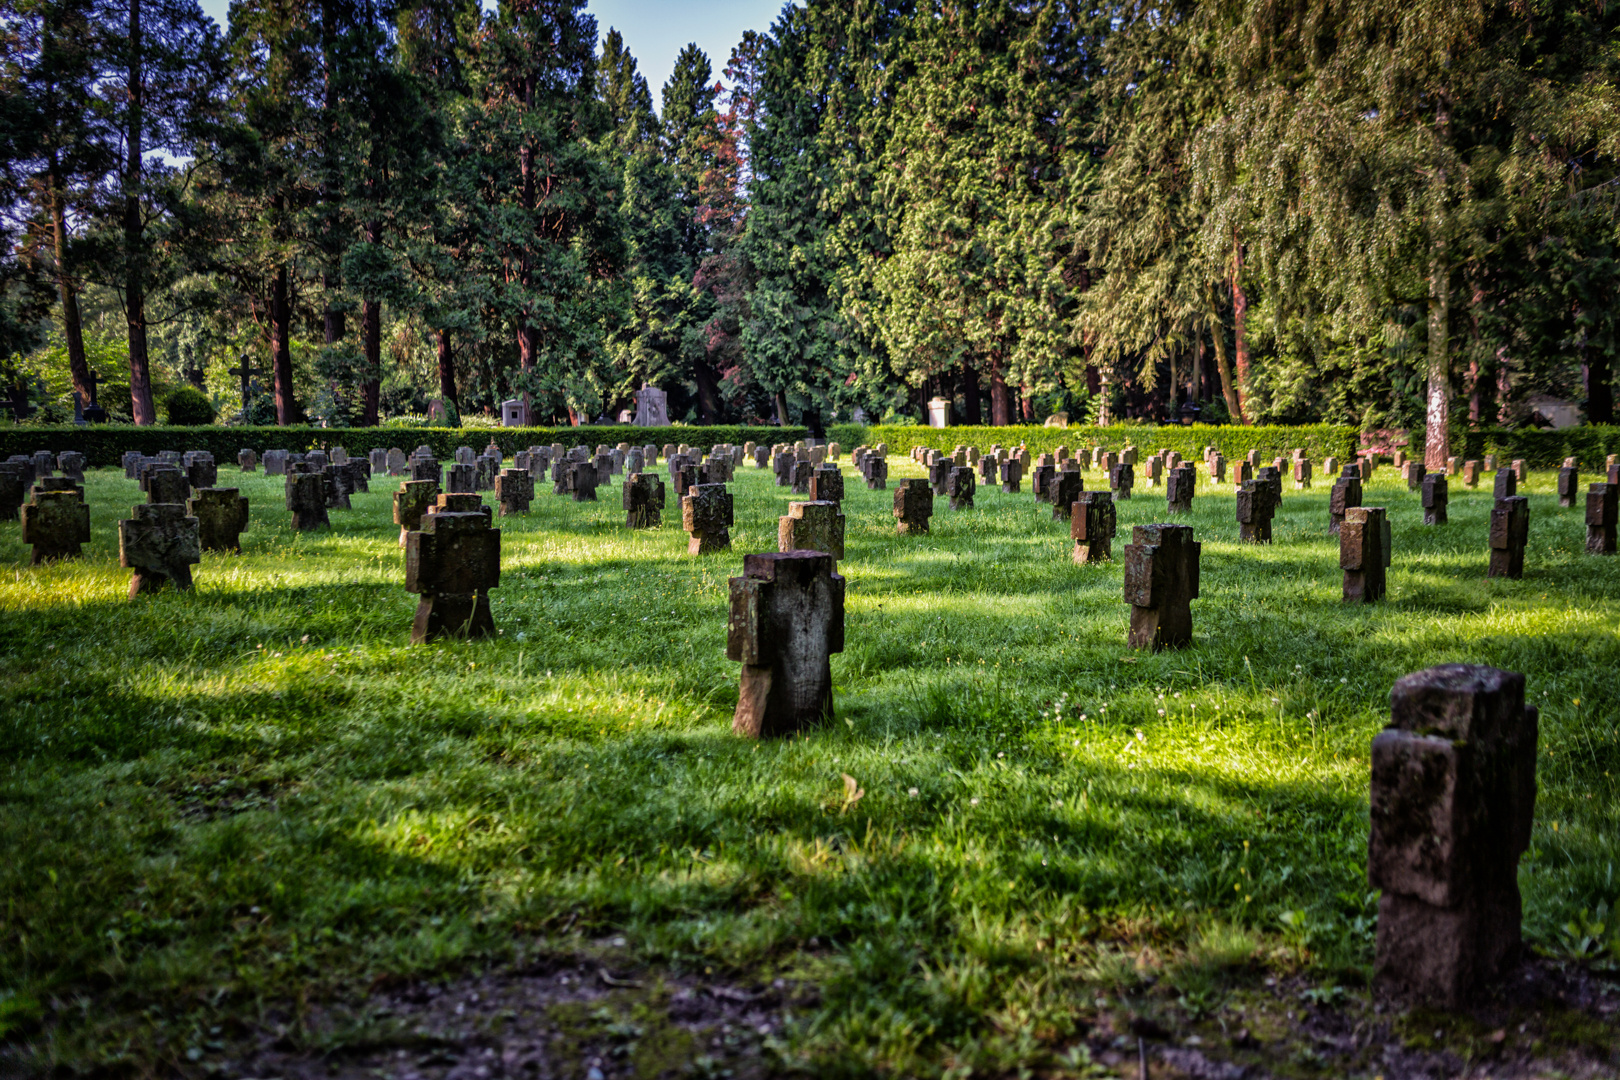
(582, 477)
(643, 500)
(706, 515)
(71, 465)
(1256, 504)
(1569, 485)
(222, 514)
(1436, 496)
(13, 490)
(827, 484)
(1092, 523)
(1602, 504)
(56, 522)
(1346, 493)
(786, 621)
(306, 499)
(1012, 474)
(411, 501)
(514, 491)
(1179, 489)
(1453, 800)
(1510, 531)
(913, 506)
(959, 487)
(812, 526)
(166, 484)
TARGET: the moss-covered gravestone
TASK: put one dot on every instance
(222, 515)
(644, 500)
(812, 526)
(56, 521)
(514, 491)
(787, 619)
(1365, 541)
(1602, 504)
(913, 506)
(411, 501)
(1510, 531)
(306, 500)
(706, 515)
(452, 562)
(160, 543)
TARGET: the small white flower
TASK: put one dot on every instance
(1161, 712)
(1344, 680)
(912, 793)
(973, 802)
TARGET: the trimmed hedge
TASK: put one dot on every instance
(104, 445)
(1589, 444)
(1317, 440)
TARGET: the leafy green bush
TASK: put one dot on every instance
(1234, 441)
(188, 407)
(1588, 444)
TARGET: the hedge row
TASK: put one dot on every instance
(1589, 444)
(104, 444)
(1317, 440)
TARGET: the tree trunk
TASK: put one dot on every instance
(782, 408)
(281, 347)
(1475, 390)
(1105, 391)
(1223, 369)
(371, 346)
(972, 409)
(1026, 404)
(447, 369)
(1437, 419)
(140, 367)
(708, 387)
(1238, 400)
(72, 327)
(1595, 373)
(1000, 399)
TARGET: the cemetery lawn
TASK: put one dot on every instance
(242, 814)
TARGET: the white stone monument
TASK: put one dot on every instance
(652, 407)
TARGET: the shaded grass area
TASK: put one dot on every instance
(216, 803)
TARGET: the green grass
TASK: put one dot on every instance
(216, 804)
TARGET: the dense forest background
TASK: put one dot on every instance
(1383, 212)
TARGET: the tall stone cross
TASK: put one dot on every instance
(787, 619)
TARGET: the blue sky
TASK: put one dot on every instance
(656, 30)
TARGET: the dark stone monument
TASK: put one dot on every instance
(1161, 581)
(643, 500)
(1569, 485)
(514, 491)
(1121, 478)
(71, 464)
(1602, 504)
(1179, 489)
(1470, 473)
(1040, 478)
(913, 506)
(1012, 474)
(56, 522)
(13, 490)
(787, 619)
(1364, 553)
(306, 499)
(411, 501)
(1413, 471)
(1436, 495)
(1453, 801)
(706, 515)
(1507, 483)
(1256, 505)
(1092, 524)
(1066, 488)
(812, 526)
(1346, 493)
(222, 515)
(336, 478)
(159, 542)
(1302, 474)
(783, 464)
(876, 471)
(247, 460)
(827, 484)
(166, 484)
(463, 478)
(1510, 531)
(582, 477)
(452, 562)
